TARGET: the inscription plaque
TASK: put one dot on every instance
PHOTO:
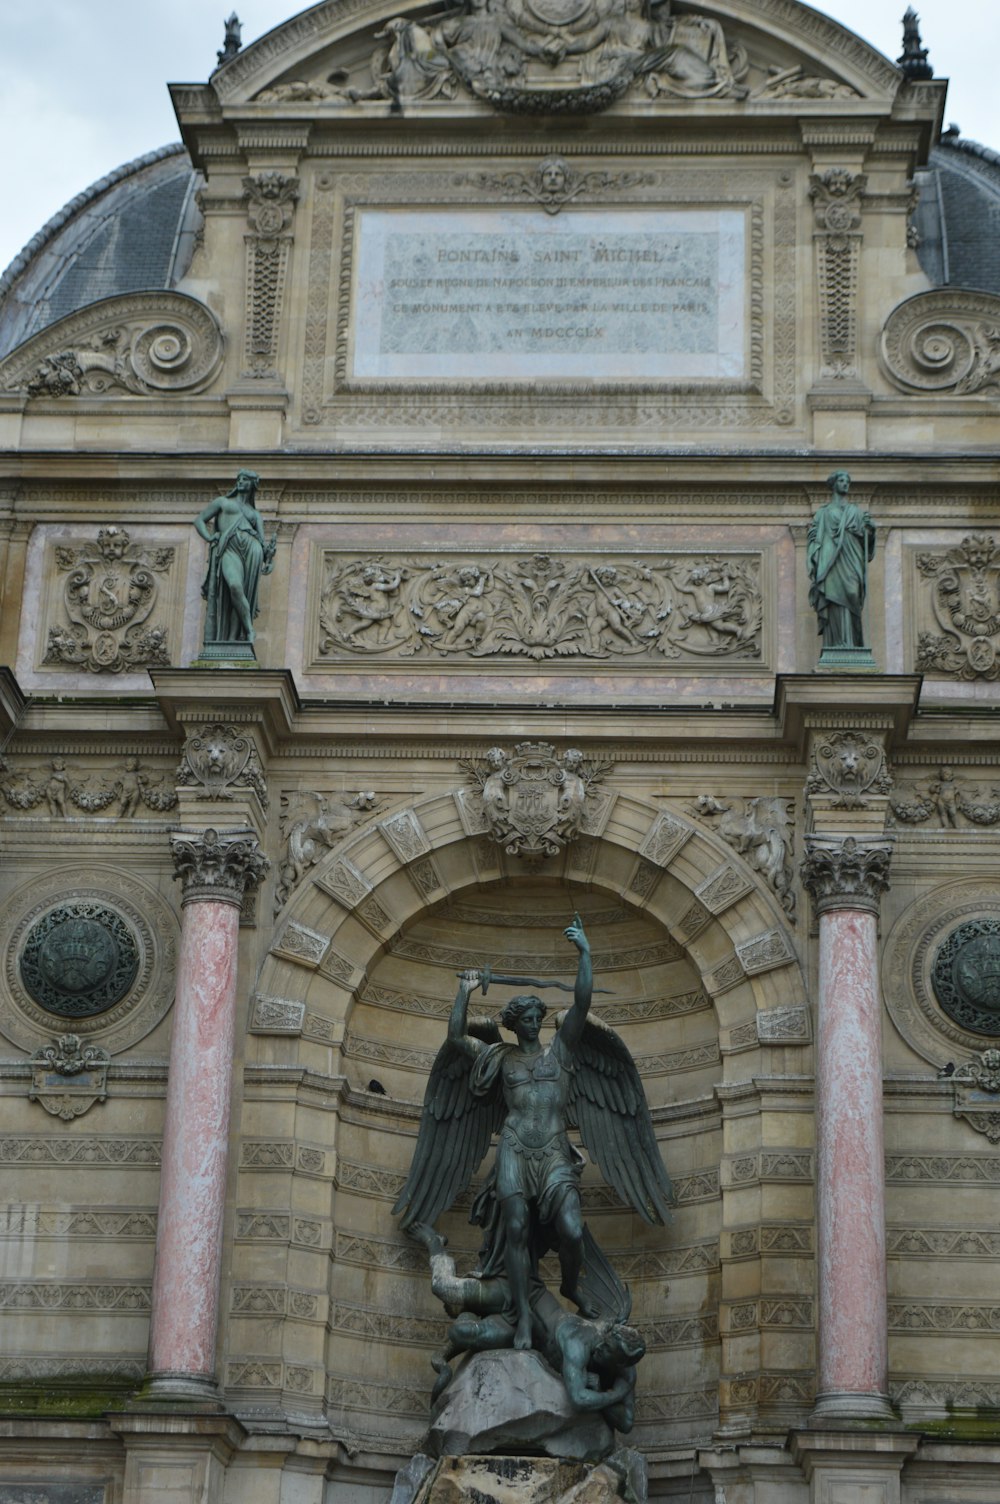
(520, 295)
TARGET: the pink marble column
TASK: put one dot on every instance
(846, 879)
(215, 870)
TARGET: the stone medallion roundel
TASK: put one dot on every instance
(79, 959)
(941, 971)
(966, 976)
(95, 955)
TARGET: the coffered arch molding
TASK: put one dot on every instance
(341, 921)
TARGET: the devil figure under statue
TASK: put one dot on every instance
(531, 1094)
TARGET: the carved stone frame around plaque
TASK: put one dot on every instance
(908, 961)
(154, 929)
(765, 398)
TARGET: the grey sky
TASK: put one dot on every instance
(82, 85)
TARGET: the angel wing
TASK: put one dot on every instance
(608, 1105)
(455, 1131)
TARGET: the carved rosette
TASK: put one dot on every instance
(217, 866)
(837, 199)
(270, 199)
(943, 341)
(145, 344)
(850, 874)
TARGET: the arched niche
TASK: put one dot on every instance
(364, 957)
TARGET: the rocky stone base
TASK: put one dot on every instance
(521, 1480)
(512, 1402)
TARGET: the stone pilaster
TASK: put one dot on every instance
(216, 869)
(846, 878)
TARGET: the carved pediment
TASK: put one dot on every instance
(542, 56)
(145, 343)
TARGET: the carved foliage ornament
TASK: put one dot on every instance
(216, 866)
(118, 797)
(528, 56)
(109, 593)
(965, 596)
(145, 344)
(542, 607)
(535, 803)
(943, 341)
(849, 767)
(976, 1080)
(221, 758)
(270, 199)
(837, 201)
(850, 875)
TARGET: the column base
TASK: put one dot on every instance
(840, 1406)
(186, 1391)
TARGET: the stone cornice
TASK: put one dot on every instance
(217, 866)
(847, 874)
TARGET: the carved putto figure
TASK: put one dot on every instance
(238, 555)
(532, 1094)
(529, 55)
(840, 546)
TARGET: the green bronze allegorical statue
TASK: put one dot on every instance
(238, 554)
(840, 546)
(531, 1093)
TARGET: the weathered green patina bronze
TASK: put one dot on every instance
(531, 1094)
(841, 544)
(238, 555)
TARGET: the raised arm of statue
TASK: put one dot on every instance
(458, 1034)
(572, 1026)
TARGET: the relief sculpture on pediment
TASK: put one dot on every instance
(527, 56)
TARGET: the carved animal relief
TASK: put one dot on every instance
(110, 590)
(312, 824)
(220, 758)
(542, 607)
(848, 767)
(762, 832)
(534, 802)
(965, 600)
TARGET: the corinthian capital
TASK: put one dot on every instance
(848, 874)
(220, 866)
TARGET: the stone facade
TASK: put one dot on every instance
(256, 884)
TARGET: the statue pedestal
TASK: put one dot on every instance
(846, 661)
(517, 1480)
(511, 1402)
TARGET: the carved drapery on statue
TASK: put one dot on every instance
(544, 55)
(238, 554)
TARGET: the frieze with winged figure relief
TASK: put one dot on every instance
(542, 606)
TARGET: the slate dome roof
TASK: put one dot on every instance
(131, 231)
(958, 216)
